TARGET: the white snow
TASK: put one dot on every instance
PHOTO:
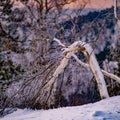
(108, 109)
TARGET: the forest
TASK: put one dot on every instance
(53, 55)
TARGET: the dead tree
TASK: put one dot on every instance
(94, 66)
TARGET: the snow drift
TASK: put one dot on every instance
(108, 109)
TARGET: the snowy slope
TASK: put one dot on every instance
(108, 109)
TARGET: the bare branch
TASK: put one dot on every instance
(115, 9)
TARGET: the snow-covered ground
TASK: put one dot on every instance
(108, 109)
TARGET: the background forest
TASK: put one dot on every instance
(29, 55)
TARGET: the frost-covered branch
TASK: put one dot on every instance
(59, 42)
(110, 75)
(105, 73)
(115, 9)
(80, 62)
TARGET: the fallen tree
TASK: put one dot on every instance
(92, 64)
(47, 92)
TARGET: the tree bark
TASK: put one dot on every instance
(94, 66)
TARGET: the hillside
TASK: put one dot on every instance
(108, 109)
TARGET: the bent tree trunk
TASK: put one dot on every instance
(95, 68)
(93, 64)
